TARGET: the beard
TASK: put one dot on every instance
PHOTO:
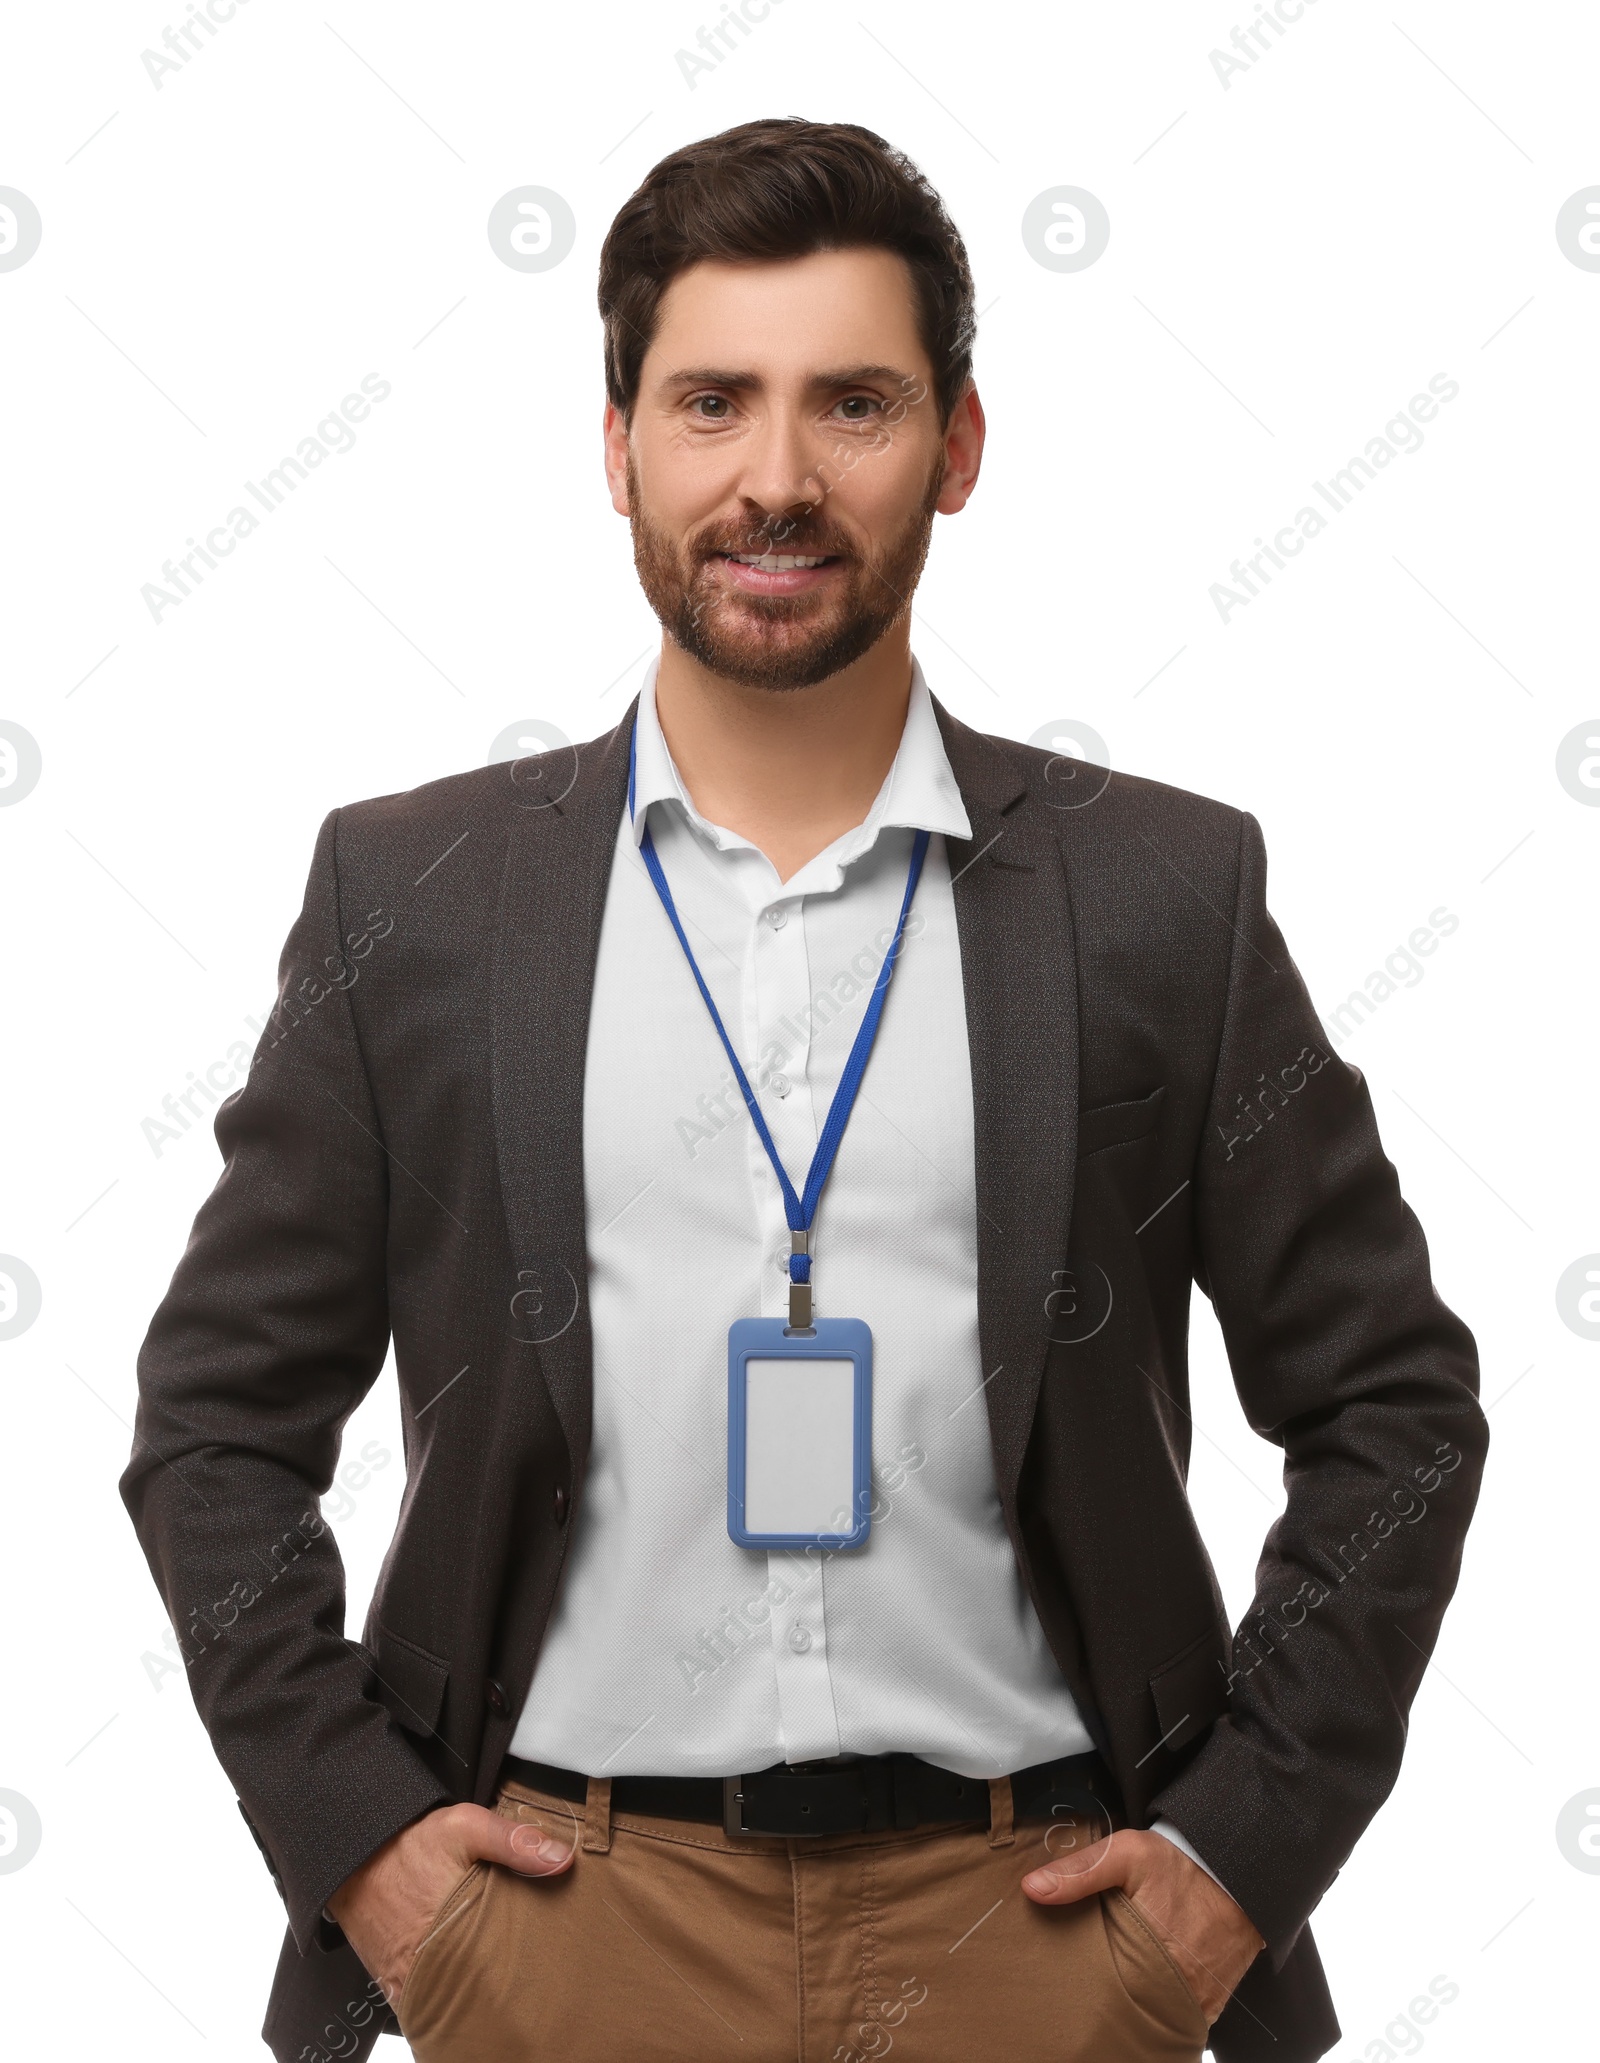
(779, 641)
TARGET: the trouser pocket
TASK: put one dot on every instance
(1151, 1980)
(442, 1946)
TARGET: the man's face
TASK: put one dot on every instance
(785, 461)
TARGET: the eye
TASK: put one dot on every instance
(711, 408)
(858, 408)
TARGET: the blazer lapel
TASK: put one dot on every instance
(1019, 975)
(552, 897)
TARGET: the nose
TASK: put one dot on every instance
(779, 481)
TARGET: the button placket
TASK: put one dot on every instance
(782, 998)
(777, 999)
(800, 1661)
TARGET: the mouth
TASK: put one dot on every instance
(776, 573)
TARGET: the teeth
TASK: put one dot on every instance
(774, 562)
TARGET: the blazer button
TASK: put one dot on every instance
(494, 1696)
(561, 1504)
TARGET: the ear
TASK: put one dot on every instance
(615, 433)
(963, 452)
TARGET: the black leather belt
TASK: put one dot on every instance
(863, 1796)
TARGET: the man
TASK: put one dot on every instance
(795, 1089)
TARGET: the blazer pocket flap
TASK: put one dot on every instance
(1113, 1124)
(409, 1680)
(1190, 1692)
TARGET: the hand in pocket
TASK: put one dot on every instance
(387, 1908)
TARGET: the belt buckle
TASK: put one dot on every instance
(733, 1807)
(733, 1804)
(878, 1811)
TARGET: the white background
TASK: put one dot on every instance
(1292, 256)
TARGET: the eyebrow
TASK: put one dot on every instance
(829, 376)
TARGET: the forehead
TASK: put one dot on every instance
(786, 317)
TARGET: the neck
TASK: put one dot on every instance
(791, 769)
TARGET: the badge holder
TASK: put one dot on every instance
(799, 1432)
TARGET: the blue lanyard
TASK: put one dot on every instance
(799, 1209)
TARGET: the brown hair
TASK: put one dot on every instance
(783, 188)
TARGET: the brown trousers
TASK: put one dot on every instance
(668, 1941)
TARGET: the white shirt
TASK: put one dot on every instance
(670, 1650)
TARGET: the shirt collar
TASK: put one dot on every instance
(919, 791)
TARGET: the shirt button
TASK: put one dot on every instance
(781, 1085)
(777, 917)
(799, 1639)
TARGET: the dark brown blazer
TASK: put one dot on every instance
(1156, 1105)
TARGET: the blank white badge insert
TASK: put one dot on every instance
(799, 1460)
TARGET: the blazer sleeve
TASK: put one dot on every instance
(1344, 1355)
(273, 1329)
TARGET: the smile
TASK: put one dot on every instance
(777, 573)
(774, 562)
